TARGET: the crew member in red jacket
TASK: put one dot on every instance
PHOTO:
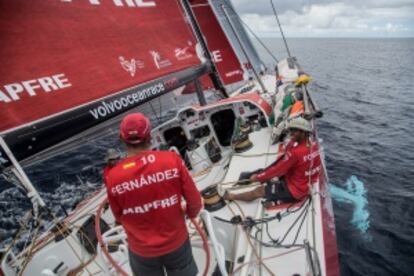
(145, 192)
(299, 166)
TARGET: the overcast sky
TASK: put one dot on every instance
(330, 18)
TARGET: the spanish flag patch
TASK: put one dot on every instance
(128, 165)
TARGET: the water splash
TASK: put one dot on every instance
(354, 193)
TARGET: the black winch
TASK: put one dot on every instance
(212, 200)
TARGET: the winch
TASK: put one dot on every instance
(212, 200)
(242, 143)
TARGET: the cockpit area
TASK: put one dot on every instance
(201, 133)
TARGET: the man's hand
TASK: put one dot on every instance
(253, 177)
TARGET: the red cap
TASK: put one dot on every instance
(135, 128)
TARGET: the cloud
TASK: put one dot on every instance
(330, 18)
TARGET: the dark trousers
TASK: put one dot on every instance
(177, 263)
(278, 192)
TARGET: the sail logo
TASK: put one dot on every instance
(131, 65)
(106, 108)
(234, 73)
(159, 61)
(171, 83)
(182, 53)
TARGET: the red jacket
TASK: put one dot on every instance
(298, 163)
(145, 193)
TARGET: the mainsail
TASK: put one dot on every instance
(69, 65)
(228, 43)
(223, 55)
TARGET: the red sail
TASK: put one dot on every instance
(60, 54)
(223, 55)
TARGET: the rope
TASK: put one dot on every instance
(248, 237)
(62, 231)
(76, 270)
(205, 245)
(280, 27)
(29, 254)
(118, 269)
(255, 36)
(264, 259)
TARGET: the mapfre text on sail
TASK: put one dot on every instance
(16, 91)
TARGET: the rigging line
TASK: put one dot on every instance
(300, 225)
(254, 249)
(260, 41)
(30, 230)
(77, 270)
(62, 228)
(293, 224)
(255, 36)
(29, 253)
(267, 258)
(280, 27)
(249, 239)
(292, 211)
(83, 266)
(311, 196)
(277, 246)
(243, 50)
(155, 112)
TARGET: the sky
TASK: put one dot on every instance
(329, 18)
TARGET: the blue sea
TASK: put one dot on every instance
(365, 89)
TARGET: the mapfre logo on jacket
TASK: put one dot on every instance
(144, 183)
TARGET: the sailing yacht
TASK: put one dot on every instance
(71, 69)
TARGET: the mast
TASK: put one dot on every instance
(214, 75)
(243, 48)
(200, 93)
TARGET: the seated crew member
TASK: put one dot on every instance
(144, 192)
(300, 164)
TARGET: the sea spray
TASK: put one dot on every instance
(355, 193)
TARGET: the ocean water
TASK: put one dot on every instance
(364, 87)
